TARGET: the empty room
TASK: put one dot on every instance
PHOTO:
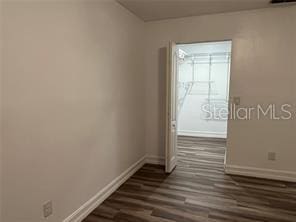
(147, 111)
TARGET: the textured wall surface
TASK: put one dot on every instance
(73, 104)
(262, 72)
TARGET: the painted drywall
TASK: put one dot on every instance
(73, 103)
(1, 162)
(195, 117)
(263, 71)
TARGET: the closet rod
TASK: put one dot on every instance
(206, 62)
(208, 54)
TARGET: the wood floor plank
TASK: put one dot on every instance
(198, 191)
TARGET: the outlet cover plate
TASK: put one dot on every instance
(47, 209)
(272, 156)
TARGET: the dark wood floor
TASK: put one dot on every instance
(198, 191)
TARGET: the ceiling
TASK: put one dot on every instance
(151, 10)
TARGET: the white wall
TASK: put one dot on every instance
(263, 71)
(195, 118)
(73, 104)
(1, 162)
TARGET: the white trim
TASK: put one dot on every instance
(282, 175)
(202, 134)
(155, 160)
(103, 194)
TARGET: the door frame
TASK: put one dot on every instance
(230, 98)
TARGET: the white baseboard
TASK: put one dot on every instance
(202, 134)
(103, 194)
(261, 173)
(155, 160)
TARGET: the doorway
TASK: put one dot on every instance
(199, 94)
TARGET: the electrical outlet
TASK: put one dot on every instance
(236, 100)
(47, 209)
(271, 156)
